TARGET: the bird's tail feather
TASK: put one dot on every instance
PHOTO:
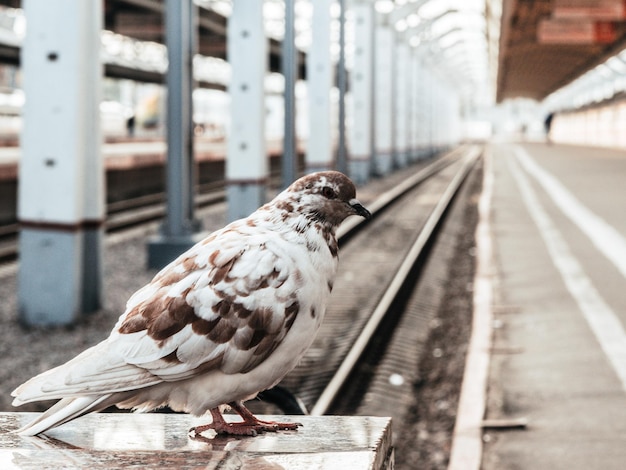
(65, 410)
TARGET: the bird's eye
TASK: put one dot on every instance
(328, 192)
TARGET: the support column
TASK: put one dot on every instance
(290, 75)
(180, 230)
(363, 92)
(61, 191)
(246, 165)
(385, 102)
(414, 122)
(427, 115)
(435, 113)
(402, 78)
(319, 149)
(342, 82)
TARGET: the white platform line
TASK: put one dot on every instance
(605, 238)
(605, 325)
(467, 443)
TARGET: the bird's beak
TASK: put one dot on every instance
(359, 209)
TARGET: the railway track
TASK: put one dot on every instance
(128, 213)
(359, 345)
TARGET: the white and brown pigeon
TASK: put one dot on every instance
(225, 320)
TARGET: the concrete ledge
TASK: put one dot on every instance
(120, 440)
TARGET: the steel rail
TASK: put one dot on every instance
(352, 225)
(340, 377)
(132, 212)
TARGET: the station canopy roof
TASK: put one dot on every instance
(547, 44)
(453, 37)
(490, 49)
(449, 34)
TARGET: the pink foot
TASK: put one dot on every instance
(250, 426)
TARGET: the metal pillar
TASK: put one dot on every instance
(414, 92)
(385, 102)
(319, 151)
(433, 113)
(342, 151)
(363, 93)
(246, 165)
(402, 78)
(424, 114)
(180, 229)
(289, 69)
(61, 191)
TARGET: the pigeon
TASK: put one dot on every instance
(224, 321)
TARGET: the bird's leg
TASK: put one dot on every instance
(219, 424)
(251, 420)
(250, 426)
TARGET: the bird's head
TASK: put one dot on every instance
(327, 197)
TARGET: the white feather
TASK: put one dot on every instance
(62, 412)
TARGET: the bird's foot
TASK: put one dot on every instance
(244, 428)
(250, 426)
(271, 426)
(276, 426)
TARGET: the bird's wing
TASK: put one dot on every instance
(224, 305)
(229, 308)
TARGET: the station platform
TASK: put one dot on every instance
(132, 154)
(556, 390)
(142, 152)
(134, 168)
